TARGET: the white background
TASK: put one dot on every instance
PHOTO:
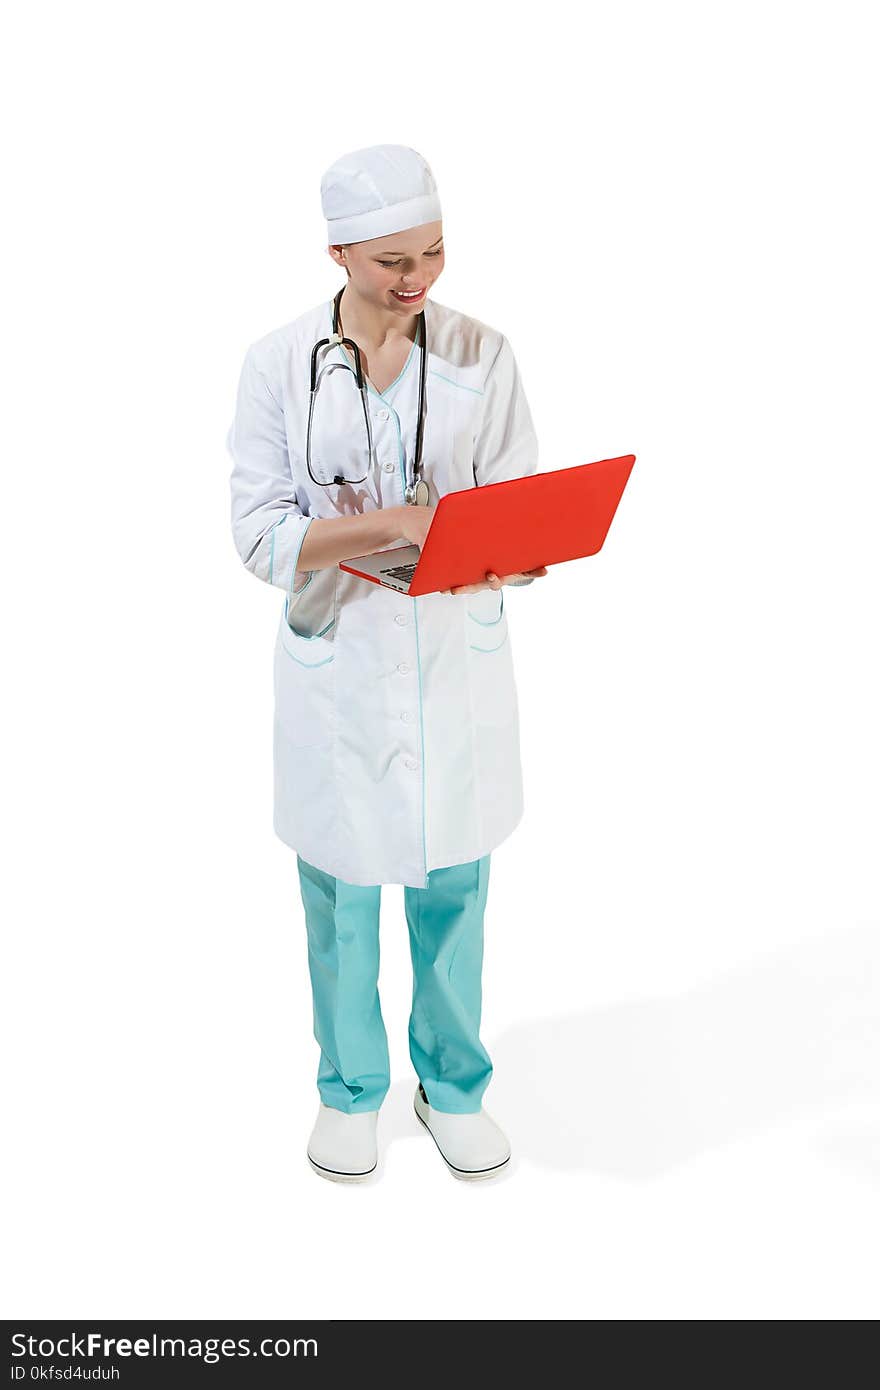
(668, 210)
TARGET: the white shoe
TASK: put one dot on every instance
(472, 1145)
(343, 1147)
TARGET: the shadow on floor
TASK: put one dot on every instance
(639, 1088)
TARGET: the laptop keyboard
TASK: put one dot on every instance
(400, 571)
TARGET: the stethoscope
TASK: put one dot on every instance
(416, 492)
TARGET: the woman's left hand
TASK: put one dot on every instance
(494, 581)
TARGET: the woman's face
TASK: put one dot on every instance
(384, 269)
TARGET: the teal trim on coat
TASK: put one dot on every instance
(489, 649)
(311, 574)
(401, 456)
(280, 522)
(312, 665)
(415, 603)
(296, 558)
(490, 622)
(473, 389)
(383, 395)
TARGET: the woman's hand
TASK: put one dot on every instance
(493, 581)
(414, 524)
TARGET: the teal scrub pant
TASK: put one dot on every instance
(445, 923)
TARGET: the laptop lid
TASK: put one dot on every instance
(508, 527)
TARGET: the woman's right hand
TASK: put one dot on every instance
(415, 522)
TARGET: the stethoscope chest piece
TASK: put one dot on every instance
(419, 496)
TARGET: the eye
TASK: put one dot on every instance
(389, 265)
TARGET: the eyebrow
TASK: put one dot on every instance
(397, 252)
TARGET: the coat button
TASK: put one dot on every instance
(411, 764)
(403, 668)
(388, 466)
(400, 618)
(382, 414)
(407, 717)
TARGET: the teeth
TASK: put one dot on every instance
(408, 294)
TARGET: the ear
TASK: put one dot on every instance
(336, 253)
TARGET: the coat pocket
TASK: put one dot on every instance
(490, 666)
(304, 687)
(488, 626)
(304, 674)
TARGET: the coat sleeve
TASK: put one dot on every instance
(506, 445)
(268, 525)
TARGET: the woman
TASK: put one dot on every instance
(396, 722)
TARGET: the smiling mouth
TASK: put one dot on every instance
(407, 297)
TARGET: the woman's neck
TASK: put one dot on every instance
(360, 320)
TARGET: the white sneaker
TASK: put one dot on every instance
(472, 1145)
(343, 1147)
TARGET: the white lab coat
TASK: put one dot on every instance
(396, 739)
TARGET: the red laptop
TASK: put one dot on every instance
(508, 527)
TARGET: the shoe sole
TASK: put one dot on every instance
(477, 1175)
(334, 1175)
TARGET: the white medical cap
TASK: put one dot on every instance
(377, 191)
